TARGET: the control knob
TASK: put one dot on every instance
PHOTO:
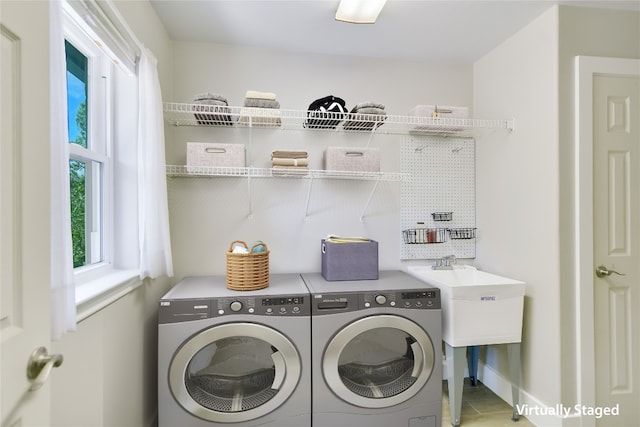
(235, 306)
(381, 299)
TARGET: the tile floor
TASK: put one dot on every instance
(481, 408)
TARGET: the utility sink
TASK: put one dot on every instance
(478, 308)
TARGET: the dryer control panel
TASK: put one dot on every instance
(416, 299)
(413, 299)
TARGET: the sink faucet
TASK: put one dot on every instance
(445, 263)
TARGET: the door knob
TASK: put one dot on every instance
(602, 271)
(40, 365)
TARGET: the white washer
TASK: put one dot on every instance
(234, 358)
(376, 357)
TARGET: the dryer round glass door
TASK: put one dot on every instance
(378, 361)
(234, 372)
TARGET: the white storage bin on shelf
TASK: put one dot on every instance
(352, 159)
(204, 154)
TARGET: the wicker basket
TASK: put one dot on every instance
(247, 272)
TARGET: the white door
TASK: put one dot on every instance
(24, 207)
(616, 183)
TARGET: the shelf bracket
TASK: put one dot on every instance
(306, 209)
(366, 205)
(249, 152)
(250, 194)
(373, 131)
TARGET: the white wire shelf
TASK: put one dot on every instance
(180, 171)
(185, 114)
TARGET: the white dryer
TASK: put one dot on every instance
(234, 358)
(376, 358)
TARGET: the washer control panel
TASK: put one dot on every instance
(416, 299)
(174, 311)
(283, 306)
(294, 305)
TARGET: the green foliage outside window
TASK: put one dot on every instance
(78, 192)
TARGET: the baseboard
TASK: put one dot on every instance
(535, 410)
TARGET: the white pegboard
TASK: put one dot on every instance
(442, 179)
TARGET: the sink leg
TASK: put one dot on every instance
(455, 380)
(472, 364)
(513, 352)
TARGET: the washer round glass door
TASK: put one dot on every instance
(378, 361)
(234, 372)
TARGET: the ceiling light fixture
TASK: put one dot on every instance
(359, 11)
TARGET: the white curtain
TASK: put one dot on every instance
(63, 309)
(153, 210)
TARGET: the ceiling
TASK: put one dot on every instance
(452, 30)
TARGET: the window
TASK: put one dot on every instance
(101, 121)
(88, 118)
(83, 172)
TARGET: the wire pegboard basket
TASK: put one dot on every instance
(442, 216)
(462, 233)
(419, 236)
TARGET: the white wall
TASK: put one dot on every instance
(525, 186)
(109, 373)
(207, 214)
(517, 182)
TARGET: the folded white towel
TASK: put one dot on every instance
(260, 95)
